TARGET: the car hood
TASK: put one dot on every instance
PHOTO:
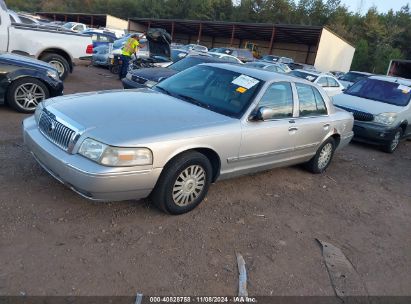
(24, 61)
(132, 117)
(364, 105)
(154, 73)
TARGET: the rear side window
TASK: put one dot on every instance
(323, 82)
(279, 98)
(332, 82)
(311, 101)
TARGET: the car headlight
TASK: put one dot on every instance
(386, 119)
(150, 83)
(37, 113)
(53, 74)
(115, 156)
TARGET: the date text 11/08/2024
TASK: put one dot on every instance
(202, 300)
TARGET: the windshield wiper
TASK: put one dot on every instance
(193, 101)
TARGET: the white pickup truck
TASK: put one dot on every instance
(60, 48)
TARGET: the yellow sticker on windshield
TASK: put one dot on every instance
(241, 90)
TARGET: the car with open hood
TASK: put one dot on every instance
(381, 109)
(207, 123)
(149, 77)
(25, 82)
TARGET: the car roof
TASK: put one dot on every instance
(399, 80)
(362, 73)
(206, 59)
(315, 73)
(256, 73)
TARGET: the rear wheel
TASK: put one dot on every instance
(115, 69)
(322, 159)
(59, 62)
(395, 141)
(183, 184)
(26, 93)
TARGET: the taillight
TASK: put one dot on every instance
(89, 49)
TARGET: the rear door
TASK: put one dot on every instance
(334, 87)
(313, 123)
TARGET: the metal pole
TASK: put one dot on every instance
(272, 41)
(232, 35)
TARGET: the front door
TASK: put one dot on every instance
(313, 122)
(265, 143)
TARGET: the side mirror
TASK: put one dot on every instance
(264, 113)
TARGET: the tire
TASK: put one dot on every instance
(115, 69)
(393, 144)
(24, 94)
(59, 62)
(320, 162)
(168, 195)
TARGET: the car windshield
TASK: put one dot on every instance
(303, 75)
(380, 90)
(352, 77)
(255, 65)
(219, 90)
(68, 25)
(271, 58)
(185, 64)
(177, 55)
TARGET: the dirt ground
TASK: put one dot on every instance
(53, 242)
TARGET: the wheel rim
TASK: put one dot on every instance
(29, 95)
(395, 141)
(59, 66)
(189, 185)
(325, 156)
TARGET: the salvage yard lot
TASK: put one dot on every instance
(53, 242)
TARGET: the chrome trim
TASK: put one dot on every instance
(259, 155)
(109, 174)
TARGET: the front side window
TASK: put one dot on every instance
(311, 101)
(279, 98)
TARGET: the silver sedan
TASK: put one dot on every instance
(171, 142)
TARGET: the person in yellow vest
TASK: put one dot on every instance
(130, 48)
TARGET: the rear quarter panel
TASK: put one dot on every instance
(34, 41)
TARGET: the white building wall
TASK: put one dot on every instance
(334, 54)
(116, 23)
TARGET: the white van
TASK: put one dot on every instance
(381, 109)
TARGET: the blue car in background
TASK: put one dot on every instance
(101, 37)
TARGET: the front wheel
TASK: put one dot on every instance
(183, 184)
(322, 159)
(25, 94)
(395, 141)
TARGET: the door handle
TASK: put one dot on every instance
(326, 126)
(292, 129)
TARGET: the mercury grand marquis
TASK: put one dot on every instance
(207, 123)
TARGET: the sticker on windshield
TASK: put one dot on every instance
(241, 90)
(245, 81)
(310, 78)
(404, 89)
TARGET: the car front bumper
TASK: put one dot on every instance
(373, 134)
(129, 84)
(89, 179)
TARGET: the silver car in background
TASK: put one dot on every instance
(207, 123)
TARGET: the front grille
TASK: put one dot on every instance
(359, 115)
(139, 80)
(55, 131)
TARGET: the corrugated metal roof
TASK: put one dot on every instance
(301, 34)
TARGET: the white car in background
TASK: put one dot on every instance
(381, 109)
(352, 77)
(329, 83)
(225, 57)
(75, 27)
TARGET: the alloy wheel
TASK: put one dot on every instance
(189, 185)
(29, 95)
(59, 67)
(325, 156)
